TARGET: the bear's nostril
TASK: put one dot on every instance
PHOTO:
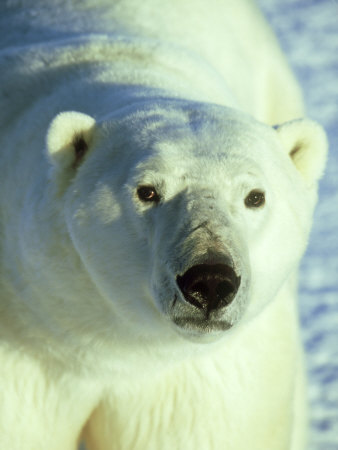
(224, 290)
(200, 288)
(209, 287)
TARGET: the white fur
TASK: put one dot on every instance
(181, 96)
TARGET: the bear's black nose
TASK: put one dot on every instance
(209, 286)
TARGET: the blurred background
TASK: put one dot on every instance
(308, 33)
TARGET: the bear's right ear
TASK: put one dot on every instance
(306, 143)
(69, 137)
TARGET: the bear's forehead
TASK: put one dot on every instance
(202, 132)
(230, 171)
(194, 142)
(223, 146)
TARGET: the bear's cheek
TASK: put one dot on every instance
(105, 239)
(274, 254)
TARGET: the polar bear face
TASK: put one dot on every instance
(187, 217)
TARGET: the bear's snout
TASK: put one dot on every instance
(209, 286)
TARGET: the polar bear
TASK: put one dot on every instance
(157, 189)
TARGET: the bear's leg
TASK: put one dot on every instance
(98, 434)
(41, 409)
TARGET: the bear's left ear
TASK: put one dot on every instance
(306, 143)
(69, 137)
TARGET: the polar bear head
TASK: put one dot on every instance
(187, 217)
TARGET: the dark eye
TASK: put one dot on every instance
(254, 199)
(148, 194)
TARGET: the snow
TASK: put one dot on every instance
(308, 32)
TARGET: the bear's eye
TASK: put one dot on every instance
(148, 194)
(254, 199)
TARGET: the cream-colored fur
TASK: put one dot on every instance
(97, 342)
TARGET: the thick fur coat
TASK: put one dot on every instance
(157, 188)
